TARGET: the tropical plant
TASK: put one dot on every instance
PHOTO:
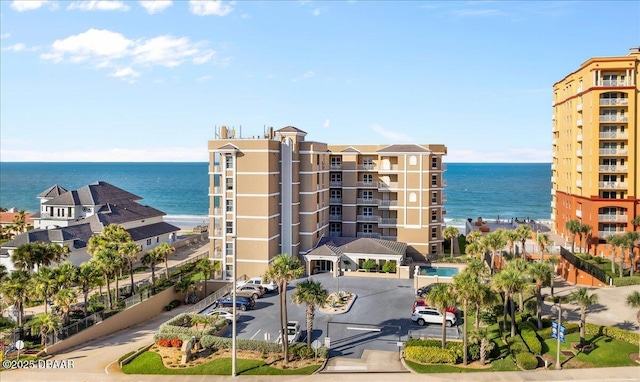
(542, 275)
(369, 264)
(441, 298)
(3, 272)
(28, 256)
(481, 338)
(44, 323)
(151, 258)
(165, 249)
(65, 275)
(475, 249)
(509, 282)
(282, 270)
(129, 252)
(543, 242)
(474, 237)
(205, 266)
(20, 222)
(189, 287)
(582, 297)
(312, 294)
(585, 230)
(615, 241)
(574, 228)
(450, 233)
(63, 300)
(636, 222)
(86, 277)
(485, 297)
(43, 284)
(629, 242)
(465, 288)
(494, 242)
(520, 266)
(524, 232)
(107, 261)
(633, 300)
(16, 290)
(511, 237)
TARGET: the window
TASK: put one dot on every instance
(335, 210)
(434, 162)
(434, 249)
(336, 177)
(229, 183)
(434, 197)
(228, 159)
(158, 239)
(412, 197)
(434, 216)
(413, 160)
(336, 162)
(367, 211)
(229, 248)
(229, 227)
(335, 228)
(148, 241)
(367, 194)
(367, 178)
(434, 180)
(229, 205)
(434, 233)
(367, 161)
(367, 228)
(335, 193)
(609, 194)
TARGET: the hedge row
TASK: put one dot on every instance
(615, 333)
(624, 281)
(452, 349)
(526, 361)
(179, 327)
(570, 328)
(428, 354)
(214, 342)
(530, 337)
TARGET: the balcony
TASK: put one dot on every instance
(579, 122)
(335, 200)
(614, 101)
(613, 118)
(382, 186)
(614, 83)
(579, 168)
(553, 191)
(613, 218)
(553, 179)
(388, 221)
(553, 166)
(444, 198)
(217, 190)
(387, 203)
(369, 235)
(217, 211)
(606, 234)
(217, 232)
(444, 167)
(613, 185)
(612, 168)
(444, 212)
(366, 167)
(335, 166)
(553, 116)
(554, 141)
(579, 182)
(335, 217)
(335, 183)
(579, 89)
(365, 184)
(579, 213)
(444, 183)
(335, 234)
(553, 204)
(391, 238)
(367, 201)
(216, 168)
(368, 218)
(613, 151)
(579, 153)
(217, 254)
(579, 138)
(614, 135)
(579, 107)
(388, 168)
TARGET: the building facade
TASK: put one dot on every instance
(596, 157)
(278, 193)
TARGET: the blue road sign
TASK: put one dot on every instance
(562, 330)
(554, 329)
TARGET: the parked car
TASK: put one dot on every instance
(242, 303)
(269, 286)
(423, 316)
(293, 332)
(422, 292)
(253, 291)
(222, 312)
(422, 303)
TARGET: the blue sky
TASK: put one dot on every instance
(150, 80)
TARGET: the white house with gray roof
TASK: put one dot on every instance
(71, 217)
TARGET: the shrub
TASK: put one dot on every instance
(369, 265)
(473, 352)
(172, 305)
(428, 354)
(176, 342)
(625, 281)
(389, 267)
(531, 339)
(526, 361)
(420, 342)
(302, 351)
(615, 333)
(517, 346)
(570, 328)
(163, 342)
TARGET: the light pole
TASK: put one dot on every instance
(233, 310)
(559, 329)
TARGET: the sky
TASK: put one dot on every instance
(151, 81)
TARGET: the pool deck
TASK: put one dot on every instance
(422, 280)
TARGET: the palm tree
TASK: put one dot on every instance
(636, 222)
(44, 323)
(86, 277)
(477, 268)
(615, 241)
(494, 242)
(189, 287)
(574, 227)
(508, 282)
(283, 269)
(165, 249)
(524, 231)
(450, 233)
(633, 300)
(64, 299)
(55, 253)
(475, 249)
(26, 256)
(20, 222)
(474, 237)
(511, 237)
(465, 287)
(585, 229)
(481, 337)
(312, 294)
(206, 267)
(106, 260)
(66, 274)
(44, 283)
(441, 298)
(16, 290)
(3, 272)
(519, 266)
(582, 297)
(553, 261)
(484, 297)
(543, 242)
(151, 258)
(630, 239)
(541, 274)
(129, 252)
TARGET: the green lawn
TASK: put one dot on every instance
(505, 364)
(607, 352)
(151, 363)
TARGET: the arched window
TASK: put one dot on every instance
(413, 160)
(412, 197)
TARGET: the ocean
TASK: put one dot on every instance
(487, 190)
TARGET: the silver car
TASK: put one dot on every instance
(431, 316)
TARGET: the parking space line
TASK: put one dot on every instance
(253, 336)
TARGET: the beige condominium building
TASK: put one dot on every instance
(279, 193)
(596, 157)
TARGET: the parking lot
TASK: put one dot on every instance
(378, 319)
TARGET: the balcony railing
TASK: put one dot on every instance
(217, 211)
(579, 182)
(366, 167)
(391, 167)
(388, 221)
(579, 213)
(613, 151)
(612, 168)
(368, 201)
(553, 204)
(554, 141)
(579, 122)
(368, 218)
(613, 134)
(579, 168)
(444, 183)
(553, 166)
(391, 238)
(216, 168)
(553, 116)
(614, 118)
(579, 107)
(579, 153)
(612, 83)
(387, 186)
(553, 191)
(553, 179)
(617, 185)
(579, 90)
(579, 138)
(335, 166)
(217, 232)
(444, 197)
(335, 233)
(365, 184)
(335, 183)
(217, 254)
(335, 200)
(614, 101)
(606, 234)
(388, 203)
(369, 235)
(613, 218)
(335, 217)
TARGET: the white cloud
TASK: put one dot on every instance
(106, 49)
(326, 123)
(126, 74)
(308, 74)
(155, 6)
(512, 155)
(99, 5)
(210, 7)
(27, 5)
(19, 47)
(5, 35)
(390, 134)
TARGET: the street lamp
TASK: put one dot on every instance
(233, 310)
(561, 314)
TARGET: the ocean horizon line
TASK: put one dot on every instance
(191, 162)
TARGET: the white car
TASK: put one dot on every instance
(431, 316)
(293, 332)
(268, 286)
(225, 314)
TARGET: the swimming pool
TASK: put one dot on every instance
(425, 270)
